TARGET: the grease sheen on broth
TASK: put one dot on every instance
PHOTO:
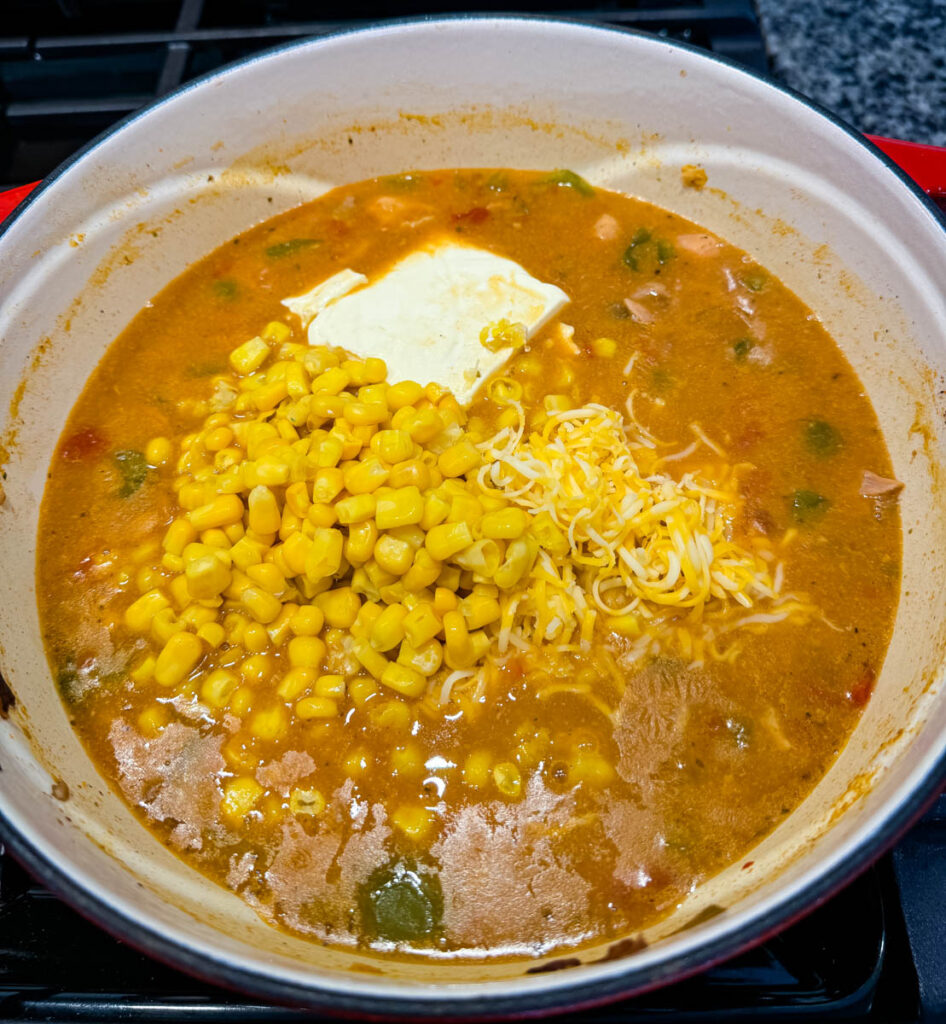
(397, 822)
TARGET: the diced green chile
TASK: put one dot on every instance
(808, 506)
(822, 439)
(569, 179)
(647, 253)
(401, 903)
(226, 288)
(133, 467)
(741, 349)
(497, 182)
(290, 247)
(754, 280)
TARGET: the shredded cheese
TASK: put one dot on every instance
(623, 541)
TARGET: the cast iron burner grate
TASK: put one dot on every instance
(70, 68)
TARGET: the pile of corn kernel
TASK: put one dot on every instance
(331, 529)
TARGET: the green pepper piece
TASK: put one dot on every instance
(821, 439)
(569, 179)
(226, 288)
(646, 252)
(808, 506)
(741, 348)
(133, 467)
(754, 281)
(400, 903)
(290, 247)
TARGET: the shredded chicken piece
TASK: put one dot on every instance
(699, 244)
(606, 228)
(874, 486)
(640, 312)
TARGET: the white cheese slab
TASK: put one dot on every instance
(308, 306)
(424, 316)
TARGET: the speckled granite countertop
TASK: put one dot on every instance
(879, 64)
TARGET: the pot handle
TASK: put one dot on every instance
(926, 165)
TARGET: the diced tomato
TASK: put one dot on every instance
(859, 693)
(476, 215)
(86, 444)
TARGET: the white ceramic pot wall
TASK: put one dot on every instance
(801, 193)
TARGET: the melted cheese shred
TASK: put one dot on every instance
(620, 540)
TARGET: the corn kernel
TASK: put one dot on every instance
(263, 606)
(270, 724)
(392, 446)
(306, 652)
(306, 801)
(255, 638)
(222, 511)
(361, 690)
(241, 703)
(240, 796)
(307, 620)
(447, 539)
(325, 556)
(296, 682)
(508, 780)
(256, 669)
(276, 332)
(482, 557)
(407, 760)
(604, 347)
(177, 536)
(458, 644)
(372, 660)
(218, 687)
(152, 720)
(403, 507)
(387, 630)
(421, 624)
(316, 707)
(249, 356)
(340, 607)
(425, 426)
(394, 556)
(404, 680)
(178, 658)
(206, 577)
(507, 524)
(404, 393)
(327, 485)
(476, 769)
(212, 633)
(424, 571)
(139, 614)
(332, 686)
(158, 451)
(426, 659)
(267, 576)
(413, 822)
(445, 599)
(143, 672)
(479, 610)
(356, 509)
(458, 459)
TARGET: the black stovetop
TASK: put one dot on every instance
(69, 69)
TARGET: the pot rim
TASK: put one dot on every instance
(593, 985)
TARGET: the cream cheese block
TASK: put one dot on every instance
(424, 317)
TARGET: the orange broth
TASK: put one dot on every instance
(404, 839)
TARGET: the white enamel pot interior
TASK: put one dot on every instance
(801, 193)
